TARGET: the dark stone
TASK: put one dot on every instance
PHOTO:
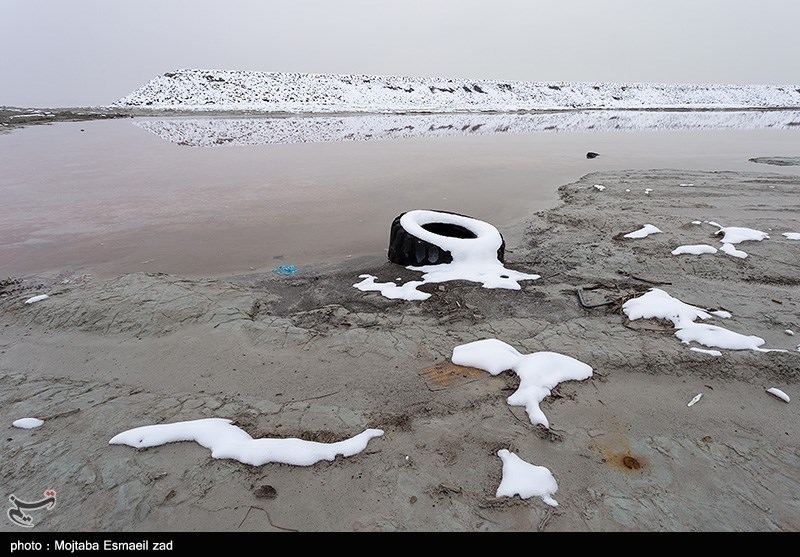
(265, 492)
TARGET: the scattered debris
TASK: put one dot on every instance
(285, 270)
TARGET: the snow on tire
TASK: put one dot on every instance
(424, 237)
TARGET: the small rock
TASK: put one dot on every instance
(265, 492)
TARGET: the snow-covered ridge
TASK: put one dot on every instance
(263, 130)
(325, 93)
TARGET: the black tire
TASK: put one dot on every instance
(406, 249)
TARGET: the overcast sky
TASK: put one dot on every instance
(92, 52)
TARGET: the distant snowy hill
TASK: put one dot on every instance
(220, 90)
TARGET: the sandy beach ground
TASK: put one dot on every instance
(311, 357)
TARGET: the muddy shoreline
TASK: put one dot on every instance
(309, 356)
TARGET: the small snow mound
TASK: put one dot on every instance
(27, 423)
(525, 479)
(732, 251)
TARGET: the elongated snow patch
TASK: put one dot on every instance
(27, 423)
(732, 251)
(226, 441)
(704, 351)
(774, 391)
(792, 235)
(644, 231)
(525, 479)
(538, 372)
(474, 259)
(697, 249)
(38, 298)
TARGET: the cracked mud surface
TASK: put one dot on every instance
(310, 356)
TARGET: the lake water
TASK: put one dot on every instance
(119, 196)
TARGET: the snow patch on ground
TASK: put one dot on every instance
(697, 249)
(704, 351)
(732, 251)
(525, 479)
(656, 303)
(226, 441)
(538, 372)
(739, 234)
(644, 231)
(779, 393)
(27, 423)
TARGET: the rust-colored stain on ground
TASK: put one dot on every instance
(625, 462)
(446, 373)
(630, 462)
(617, 452)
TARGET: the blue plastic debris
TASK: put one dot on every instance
(285, 270)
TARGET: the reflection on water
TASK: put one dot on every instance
(209, 132)
(107, 198)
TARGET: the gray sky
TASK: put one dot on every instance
(91, 52)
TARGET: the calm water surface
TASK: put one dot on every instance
(107, 197)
